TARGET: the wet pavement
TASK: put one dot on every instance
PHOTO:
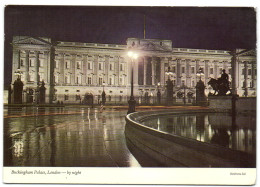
(66, 137)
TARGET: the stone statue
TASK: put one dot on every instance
(221, 85)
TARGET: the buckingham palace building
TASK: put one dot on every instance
(73, 71)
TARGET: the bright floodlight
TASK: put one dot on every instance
(135, 56)
(130, 54)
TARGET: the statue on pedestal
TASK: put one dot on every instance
(221, 85)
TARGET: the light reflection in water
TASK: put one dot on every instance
(85, 138)
(211, 128)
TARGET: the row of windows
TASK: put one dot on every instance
(31, 63)
(211, 70)
(89, 80)
(90, 65)
(249, 71)
(78, 97)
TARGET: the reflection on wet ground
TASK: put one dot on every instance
(219, 128)
(65, 137)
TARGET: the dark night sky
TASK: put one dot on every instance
(187, 27)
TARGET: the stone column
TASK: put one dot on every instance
(215, 69)
(245, 78)
(36, 65)
(234, 65)
(16, 62)
(163, 61)
(253, 74)
(27, 68)
(178, 74)
(188, 83)
(62, 67)
(95, 69)
(145, 68)
(116, 78)
(153, 70)
(206, 71)
(106, 69)
(73, 68)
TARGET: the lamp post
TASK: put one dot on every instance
(200, 72)
(158, 94)
(132, 101)
(169, 87)
(103, 94)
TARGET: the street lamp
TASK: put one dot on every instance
(132, 101)
(200, 72)
(158, 93)
(103, 94)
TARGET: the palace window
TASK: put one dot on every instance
(192, 69)
(78, 80)
(40, 62)
(67, 64)
(78, 97)
(56, 77)
(243, 71)
(89, 81)
(100, 81)
(67, 79)
(174, 69)
(100, 66)
(220, 70)
(21, 62)
(89, 65)
(121, 67)
(66, 97)
(78, 64)
(211, 70)
(249, 72)
(31, 63)
(30, 77)
(111, 67)
(182, 69)
(41, 76)
(182, 82)
(56, 64)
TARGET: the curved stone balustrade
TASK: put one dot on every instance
(176, 151)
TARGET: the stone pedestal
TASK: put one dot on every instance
(200, 94)
(18, 91)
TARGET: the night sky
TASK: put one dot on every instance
(187, 27)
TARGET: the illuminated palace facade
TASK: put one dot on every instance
(72, 70)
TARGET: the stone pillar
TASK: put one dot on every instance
(73, 69)
(188, 77)
(206, 71)
(62, 67)
(178, 74)
(234, 65)
(27, 66)
(37, 68)
(163, 61)
(245, 79)
(145, 68)
(116, 77)
(253, 74)
(153, 71)
(106, 69)
(197, 66)
(95, 69)
(18, 91)
(16, 63)
(215, 69)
